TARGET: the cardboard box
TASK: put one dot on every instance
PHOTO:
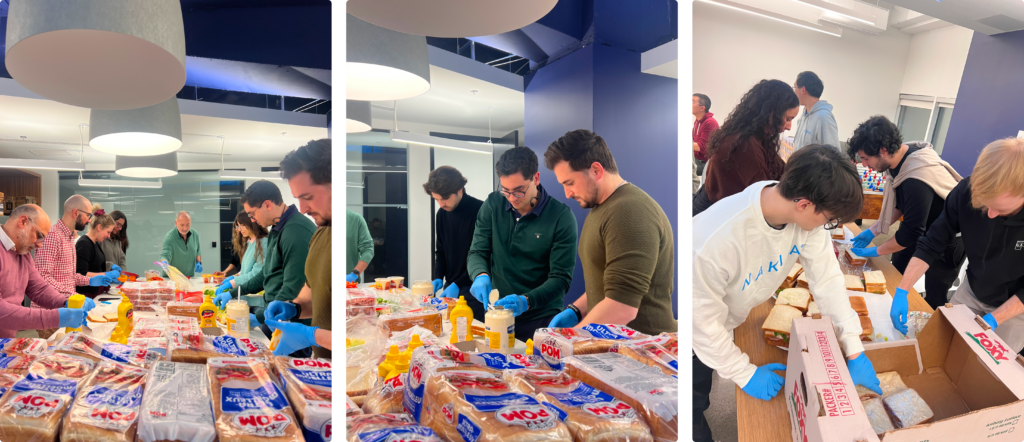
(972, 383)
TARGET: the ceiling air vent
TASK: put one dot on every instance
(1002, 23)
(50, 152)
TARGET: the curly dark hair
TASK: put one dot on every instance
(874, 135)
(760, 114)
(445, 181)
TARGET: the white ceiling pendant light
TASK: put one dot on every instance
(156, 166)
(384, 65)
(152, 130)
(357, 116)
(451, 18)
(99, 54)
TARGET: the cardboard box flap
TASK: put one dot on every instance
(997, 424)
(989, 347)
(903, 356)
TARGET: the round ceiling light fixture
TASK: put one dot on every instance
(156, 166)
(152, 130)
(384, 65)
(357, 116)
(99, 54)
(451, 18)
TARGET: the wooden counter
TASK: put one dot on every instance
(760, 421)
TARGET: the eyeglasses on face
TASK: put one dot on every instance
(514, 193)
(832, 223)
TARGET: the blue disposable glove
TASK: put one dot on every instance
(223, 288)
(863, 239)
(898, 312)
(221, 300)
(567, 318)
(451, 292)
(867, 252)
(516, 303)
(253, 322)
(294, 336)
(352, 277)
(863, 373)
(101, 281)
(199, 267)
(71, 317)
(88, 305)
(437, 284)
(766, 383)
(115, 272)
(991, 320)
(481, 288)
(229, 279)
(280, 311)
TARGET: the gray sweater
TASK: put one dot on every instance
(112, 250)
(817, 126)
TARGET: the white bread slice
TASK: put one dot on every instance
(854, 283)
(794, 272)
(838, 233)
(855, 259)
(780, 319)
(94, 317)
(795, 297)
(812, 310)
(801, 281)
(874, 281)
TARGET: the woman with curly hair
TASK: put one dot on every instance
(745, 149)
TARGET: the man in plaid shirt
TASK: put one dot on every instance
(56, 258)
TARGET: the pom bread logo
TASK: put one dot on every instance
(799, 419)
(119, 418)
(611, 410)
(36, 403)
(533, 417)
(417, 374)
(549, 349)
(311, 364)
(448, 413)
(258, 423)
(325, 430)
(994, 349)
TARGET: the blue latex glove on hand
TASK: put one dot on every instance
(481, 288)
(516, 303)
(101, 281)
(228, 280)
(863, 239)
(71, 317)
(437, 284)
(253, 322)
(88, 305)
(766, 383)
(294, 336)
(280, 311)
(352, 277)
(867, 252)
(199, 267)
(221, 300)
(115, 272)
(565, 319)
(863, 373)
(899, 310)
(451, 292)
(223, 288)
(991, 320)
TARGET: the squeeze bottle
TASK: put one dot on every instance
(75, 301)
(462, 321)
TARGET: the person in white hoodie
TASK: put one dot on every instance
(743, 248)
(817, 125)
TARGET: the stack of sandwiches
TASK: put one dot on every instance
(859, 306)
(779, 324)
(855, 259)
(838, 233)
(854, 283)
(801, 281)
(795, 272)
(874, 282)
(897, 407)
(795, 297)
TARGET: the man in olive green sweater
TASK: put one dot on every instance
(181, 247)
(284, 261)
(524, 245)
(358, 245)
(626, 245)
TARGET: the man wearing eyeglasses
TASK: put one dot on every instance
(524, 245)
(25, 230)
(744, 247)
(181, 247)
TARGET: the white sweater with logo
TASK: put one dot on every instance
(739, 261)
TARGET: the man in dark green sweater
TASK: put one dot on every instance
(524, 245)
(284, 263)
(626, 246)
(181, 247)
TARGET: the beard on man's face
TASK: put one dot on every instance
(79, 225)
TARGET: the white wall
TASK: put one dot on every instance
(734, 50)
(936, 62)
(421, 251)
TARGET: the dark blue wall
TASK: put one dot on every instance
(989, 102)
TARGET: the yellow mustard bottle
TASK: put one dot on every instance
(401, 366)
(75, 301)
(414, 343)
(462, 322)
(207, 313)
(529, 347)
(125, 313)
(388, 365)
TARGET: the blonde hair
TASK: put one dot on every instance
(999, 170)
(100, 221)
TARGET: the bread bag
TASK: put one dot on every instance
(32, 410)
(107, 408)
(557, 343)
(25, 346)
(386, 396)
(7, 380)
(478, 406)
(652, 393)
(396, 322)
(307, 382)
(590, 414)
(176, 404)
(14, 363)
(76, 343)
(217, 347)
(351, 409)
(650, 353)
(248, 405)
(386, 428)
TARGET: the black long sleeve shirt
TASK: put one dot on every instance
(994, 246)
(90, 259)
(454, 231)
(919, 203)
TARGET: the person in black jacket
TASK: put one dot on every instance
(454, 226)
(985, 208)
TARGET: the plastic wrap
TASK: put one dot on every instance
(397, 322)
(877, 416)
(403, 433)
(248, 405)
(670, 341)
(359, 302)
(7, 380)
(25, 346)
(15, 363)
(218, 346)
(184, 309)
(176, 405)
(181, 282)
(76, 343)
(371, 427)
(108, 407)
(351, 409)
(158, 345)
(652, 393)
(557, 343)
(590, 414)
(149, 328)
(402, 338)
(386, 396)
(890, 383)
(308, 385)
(479, 406)
(906, 409)
(361, 360)
(33, 409)
(650, 353)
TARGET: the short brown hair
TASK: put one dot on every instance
(825, 177)
(1000, 170)
(444, 181)
(580, 148)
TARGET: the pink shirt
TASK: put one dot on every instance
(19, 278)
